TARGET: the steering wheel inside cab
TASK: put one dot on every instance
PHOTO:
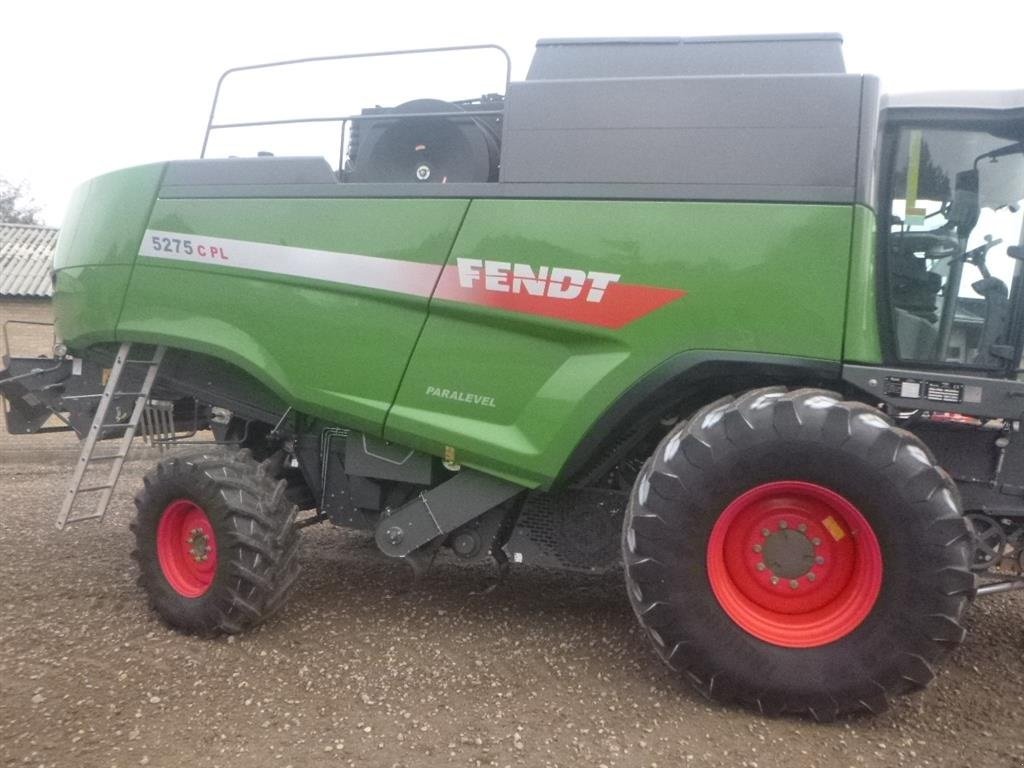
(937, 244)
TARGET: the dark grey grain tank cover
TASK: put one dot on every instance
(587, 58)
(740, 137)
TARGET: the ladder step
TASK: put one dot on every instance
(89, 488)
(100, 394)
(142, 362)
(112, 457)
(82, 518)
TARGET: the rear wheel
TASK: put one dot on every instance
(215, 540)
(797, 553)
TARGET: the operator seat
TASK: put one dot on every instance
(915, 336)
(914, 288)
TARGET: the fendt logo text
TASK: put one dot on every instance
(552, 282)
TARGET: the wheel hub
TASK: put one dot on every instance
(198, 545)
(186, 548)
(790, 554)
(787, 553)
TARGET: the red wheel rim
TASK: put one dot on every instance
(795, 564)
(186, 547)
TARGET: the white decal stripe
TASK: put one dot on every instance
(399, 276)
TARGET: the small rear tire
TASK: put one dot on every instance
(797, 554)
(215, 540)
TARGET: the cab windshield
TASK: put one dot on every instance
(954, 244)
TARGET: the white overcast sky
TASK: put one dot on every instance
(87, 87)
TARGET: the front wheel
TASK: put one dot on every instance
(797, 553)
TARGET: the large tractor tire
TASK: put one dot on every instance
(797, 554)
(216, 541)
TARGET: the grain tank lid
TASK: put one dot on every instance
(597, 57)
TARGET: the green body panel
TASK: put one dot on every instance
(328, 349)
(765, 278)
(862, 333)
(87, 302)
(98, 244)
(768, 278)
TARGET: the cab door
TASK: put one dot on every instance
(951, 254)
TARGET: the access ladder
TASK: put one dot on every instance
(100, 426)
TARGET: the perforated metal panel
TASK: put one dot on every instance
(576, 531)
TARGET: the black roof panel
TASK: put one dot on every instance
(601, 57)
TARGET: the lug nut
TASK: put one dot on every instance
(802, 528)
(765, 532)
(775, 579)
(757, 547)
(793, 584)
(816, 541)
(811, 577)
(783, 525)
(819, 560)
(760, 566)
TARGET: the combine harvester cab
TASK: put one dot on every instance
(711, 309)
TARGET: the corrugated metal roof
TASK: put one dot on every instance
(26, 254)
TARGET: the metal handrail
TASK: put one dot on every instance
(211, 126)
(346, 118)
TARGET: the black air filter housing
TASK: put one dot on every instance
(415, 146)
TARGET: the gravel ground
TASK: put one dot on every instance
(550, 671)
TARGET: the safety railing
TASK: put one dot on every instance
(211, 125)
(5, 350)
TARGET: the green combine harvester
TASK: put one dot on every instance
(711, 311)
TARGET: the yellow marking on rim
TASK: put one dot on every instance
(834, 528)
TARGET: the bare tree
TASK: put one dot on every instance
(15, 206)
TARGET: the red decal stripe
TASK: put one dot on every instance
(621, 304)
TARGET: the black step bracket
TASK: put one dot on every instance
(32, 389)
(439, 511)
